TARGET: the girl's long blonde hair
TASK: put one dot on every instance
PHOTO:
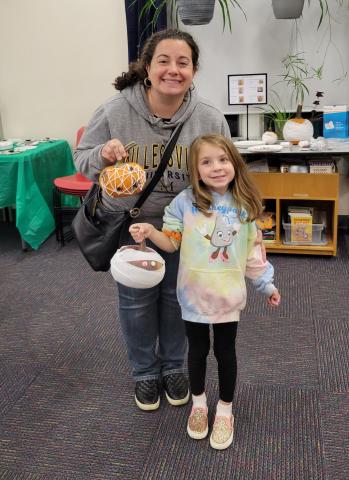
(243, 189)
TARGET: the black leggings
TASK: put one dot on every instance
(224, 335)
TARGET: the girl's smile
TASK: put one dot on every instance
(215, 168)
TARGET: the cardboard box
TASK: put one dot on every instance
(336, 121)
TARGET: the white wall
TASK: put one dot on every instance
(58, 60)
(258, 45)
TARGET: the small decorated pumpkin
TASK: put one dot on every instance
(122, 179)
(137, 267)
(269, 137)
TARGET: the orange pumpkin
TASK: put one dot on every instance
(122, 179)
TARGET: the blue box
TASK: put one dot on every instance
(336, 121)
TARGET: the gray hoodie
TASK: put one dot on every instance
(126, 116)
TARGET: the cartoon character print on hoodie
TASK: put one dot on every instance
(222, 237)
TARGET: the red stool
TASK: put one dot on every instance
(76, 185)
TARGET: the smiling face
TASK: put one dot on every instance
(171, 69)
(215, 168)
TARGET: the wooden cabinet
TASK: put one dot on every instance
(279, 190)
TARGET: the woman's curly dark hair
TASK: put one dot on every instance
(137, 70)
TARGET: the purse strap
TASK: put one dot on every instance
(135, 211)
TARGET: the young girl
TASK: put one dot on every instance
(213, 223)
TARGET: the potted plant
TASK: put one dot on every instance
(191, 12)
(292, 9)
(297, 74)
(287, 8)
(196, 12)
(276, 115)
(200, 12)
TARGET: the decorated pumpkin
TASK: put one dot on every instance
(122, 179)
(137, 267)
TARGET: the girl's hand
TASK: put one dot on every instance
(274, 299)
(113, 151)
(141, 231)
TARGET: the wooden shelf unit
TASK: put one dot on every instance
(301, 189)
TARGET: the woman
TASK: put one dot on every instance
(156, 94)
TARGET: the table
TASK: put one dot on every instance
(26, 182)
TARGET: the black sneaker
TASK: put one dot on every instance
(176, 388)
(147, 394)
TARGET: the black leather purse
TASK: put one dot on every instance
(100, 231)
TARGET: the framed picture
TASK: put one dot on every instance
(249, 89)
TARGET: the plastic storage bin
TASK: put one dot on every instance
(318, 236)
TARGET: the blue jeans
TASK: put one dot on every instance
(152, 325)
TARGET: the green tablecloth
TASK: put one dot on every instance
(26, 182)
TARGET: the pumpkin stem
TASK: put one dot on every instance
(299, 111)
(142, 246)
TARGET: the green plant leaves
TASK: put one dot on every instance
(297, 73)
(153, 9)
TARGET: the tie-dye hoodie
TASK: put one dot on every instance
(216, 253)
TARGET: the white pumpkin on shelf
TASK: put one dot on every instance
(298, 129)
(269, 137)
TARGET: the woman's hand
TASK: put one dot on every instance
(274, 299)
(113, 151)
(141, 231)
